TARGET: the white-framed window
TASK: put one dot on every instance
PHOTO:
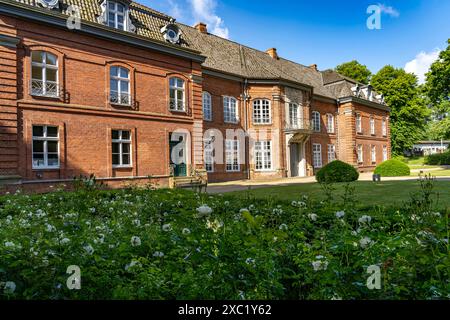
(372, 125)
(119, 86)
(316, 121)
(209, 154)
(358, 123)
(294, 115)
(262, 113)
(232, 156)
(207, 106)
(230, 110)
(121, 148)
(263, 155)
(317, 155)
(374, 154)
(360, 153)
(331, 153)
(45, 147)
(117, 15)
(177, 94)
(384, 127)
(385, 153)
(44, 74)
(330, 123)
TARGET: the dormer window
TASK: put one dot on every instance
(117, 13)
(171, 33)
(49, 4)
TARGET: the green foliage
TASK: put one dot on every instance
(393, 168)
(337, 171)
(438, 79)
(439, 130)
(172, 244)
(355, 71)
(408, 107)
(438, 159)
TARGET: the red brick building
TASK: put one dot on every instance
(126, 93)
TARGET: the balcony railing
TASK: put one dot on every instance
(299, 125)
(177, 105)
(120, 98)
(44, 88)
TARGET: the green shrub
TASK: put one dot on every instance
(393, 168)
(337, 171)
(438, 159)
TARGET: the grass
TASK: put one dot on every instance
(367, 193)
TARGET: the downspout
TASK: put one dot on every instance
(247, 140)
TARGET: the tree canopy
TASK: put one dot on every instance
(355, 70)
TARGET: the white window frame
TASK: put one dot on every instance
(385, 153)
(120, 97)
(121, 142)
(384, 127)
(115, 11)
(316, 119)
(331, 148)
(294, 116)
(232, 152)
(372, 125)
(175, 88)
(43, 84)
(45, 152)
(358, 123)
(209, 154)
(317, 156)
(374, 153)
(330, 123)
(262, 112)
(207, 106)
(263, 152)
(230, 112)
(360, 154)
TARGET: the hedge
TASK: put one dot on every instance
(337, 171)
(393, 168)
(438, 159)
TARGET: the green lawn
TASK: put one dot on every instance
(367, 193)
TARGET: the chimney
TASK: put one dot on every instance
(273, 53)
(201, 27)
(314, 67)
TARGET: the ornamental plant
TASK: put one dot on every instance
(337, 171)
(393, 168)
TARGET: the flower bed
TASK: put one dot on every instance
(141, 244)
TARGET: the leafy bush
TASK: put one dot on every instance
(337, 171)
(393, 168)
(438, 159)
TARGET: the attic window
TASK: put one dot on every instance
(117, 13)
(171, 33)
(50, 4)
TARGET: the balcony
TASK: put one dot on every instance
(177, 105)
(49, 89)
(120, 98)
(298, 126)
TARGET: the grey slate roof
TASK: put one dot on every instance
(222, 55)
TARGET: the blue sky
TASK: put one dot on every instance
(326, 32)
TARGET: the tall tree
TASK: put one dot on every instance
(355, 70)
(408, 107)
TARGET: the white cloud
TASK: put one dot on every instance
(422, 63)
(205, 11)
(175, 10)
(390, 11)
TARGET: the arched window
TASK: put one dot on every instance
(44, 74)
(120, 86)
(316, 121)
(261, 112)
(207, 106)
(230, 110)
(177, 94)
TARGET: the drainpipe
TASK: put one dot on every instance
(247, 140)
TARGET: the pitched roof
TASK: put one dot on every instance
(222, 55)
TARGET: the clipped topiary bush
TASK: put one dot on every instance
(393, 168)
(438, 159)
(337, 171)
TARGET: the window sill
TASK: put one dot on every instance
(266, 171)
(229, 122)
(122, 167)
(42, 96)
(262, 124)
(45, 168)
(178, 111)
(233, 171)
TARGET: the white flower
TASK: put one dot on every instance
(204, 210)
(294, 203)
(301, 204)
(251, 207)
(354, 233)
(320, 265)
(132, 264)
(49, 227)
(243, 210)
(158, 254)
(340, 214)
(9, 244)
(9, 287)
(92, 210)
(167, 227)
(65, 241)
(364, 242)
(313, 216)
(226, 203)
(283, 227)
(277, 211)
(250, 261)
(137, 222)
(135, 241)
(186, 231)
(214, 225)
(88, 248)
(365, 219)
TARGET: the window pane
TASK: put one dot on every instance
(52, 132)
(36, 73)
(180, 95)
(38, 146)
(37, 56)
(125, 148)
(126, 159)
(172, 94)
(112, 5)
(172, 82)
(115, 148)
(52, 160)
(51, 74)
(52, 146)
(38, 131)
(119, 19)
(123, 73)
(124, 86)
(115, 134)
(114, 84)
(125, 135)
(114, 71)
(120, 7)
(112, 19)
(116, 159)
(38, 159)
(51, 59)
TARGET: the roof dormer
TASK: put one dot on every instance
(116, 14)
